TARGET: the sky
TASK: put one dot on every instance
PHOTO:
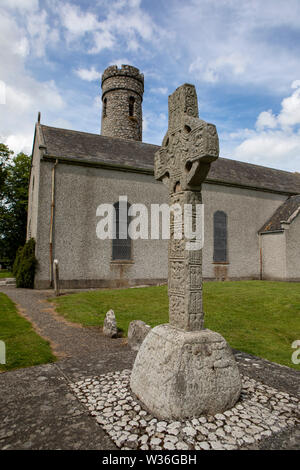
(242, 56)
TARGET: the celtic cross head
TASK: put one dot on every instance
(189, 146)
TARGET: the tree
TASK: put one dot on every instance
(14, 180)
(25, 265)
(5, 154)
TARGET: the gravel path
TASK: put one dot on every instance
(41, 411)
(67, 339)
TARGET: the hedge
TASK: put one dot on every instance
(25, 265)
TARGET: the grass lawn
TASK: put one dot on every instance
(24, 347)
(4, 273)
(258, 317)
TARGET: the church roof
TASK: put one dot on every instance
(98, 148)
(285, 213)
(75, 146)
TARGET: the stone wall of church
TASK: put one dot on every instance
(43, 223)
(273, 247)
(247, 210)
(86, 261)
(33, 193)
(293, 250)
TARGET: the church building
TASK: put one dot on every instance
(251, 212)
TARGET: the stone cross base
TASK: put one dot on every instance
(184, 374)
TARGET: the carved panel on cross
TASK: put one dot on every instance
(194, 256)
(176, 247)
(195, 276)
(196, 322)
(177, 311)
(195, 302)
(176, 275)
(191, 102)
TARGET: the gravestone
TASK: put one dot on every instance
(183, 370)
(110, 324)
(137, 332)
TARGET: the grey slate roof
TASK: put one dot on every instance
(281, 214)
(98, 148)
(94, 148)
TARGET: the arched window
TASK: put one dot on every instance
(220, 237)
(121, 244)
(104, 107)
(131, 106)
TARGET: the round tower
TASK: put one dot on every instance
(122, 96)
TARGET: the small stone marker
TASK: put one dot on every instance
(183, 370)
(137, 332)
(110, 325)
(56, 277)
(2, 353)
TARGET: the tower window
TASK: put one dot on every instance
(104, 107)
(121, 247)
(131, 106)
(220, 237)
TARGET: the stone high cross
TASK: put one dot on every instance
(188, 149)
(182, 370)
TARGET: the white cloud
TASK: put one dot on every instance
(200, 70)
(25, 95)
(76, 21)
(102, 40)
(159, 90)
(266, 119)
(48, 95)
(222, 42)
(18, 115)
(19, 142)
(120, 62)
(213, 70)
(245, 43)
(271, 148)
(290, 113)
(2, 93)
(276, 140)
(22, 47)
(88, 74)
(25, 5)
(117, 23)
(295, 84)
(40, 33)
(17, 99)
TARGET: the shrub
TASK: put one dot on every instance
(17, 261)
(25, 265)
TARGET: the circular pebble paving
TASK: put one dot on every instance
(260, 412)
